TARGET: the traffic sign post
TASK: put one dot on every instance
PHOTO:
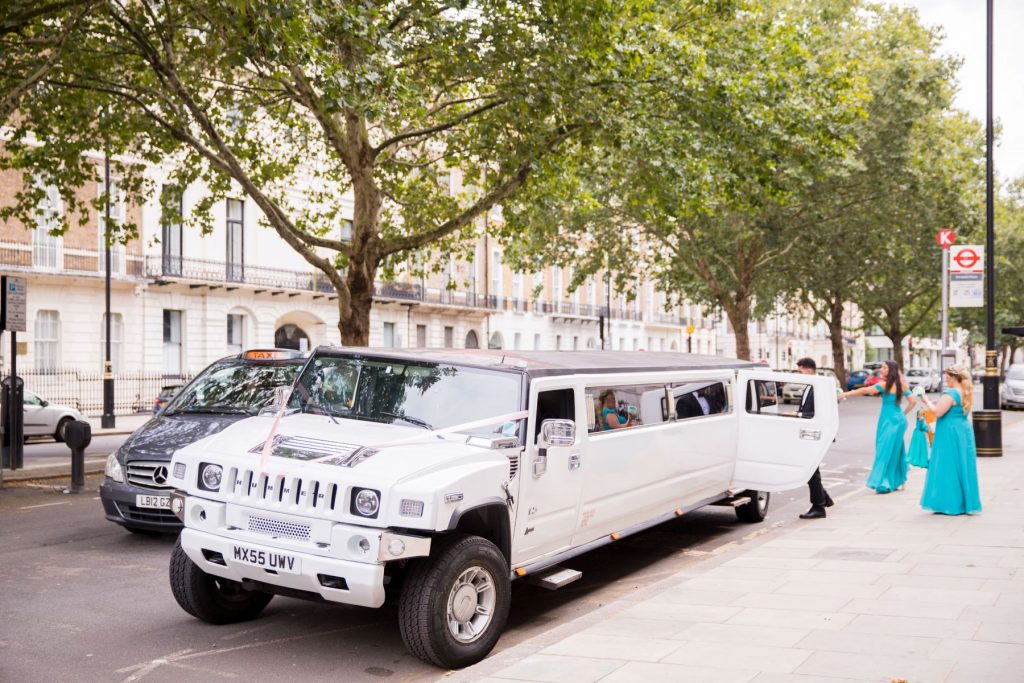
(945, 238)
(966, 276)
(13, 299)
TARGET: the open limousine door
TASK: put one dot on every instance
(778, 446)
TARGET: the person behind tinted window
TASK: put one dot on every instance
(819, 496)
(610, 418)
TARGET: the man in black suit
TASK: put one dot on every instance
(819, 496)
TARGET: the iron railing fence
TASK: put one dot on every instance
(134, 392)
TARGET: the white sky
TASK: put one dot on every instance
(963, 22)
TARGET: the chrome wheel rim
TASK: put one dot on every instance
(471, 604)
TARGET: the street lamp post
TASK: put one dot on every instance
(988, 422)
(107, 421)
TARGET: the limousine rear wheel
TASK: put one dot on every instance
(211, 598)
(455, 603)
(757, 509)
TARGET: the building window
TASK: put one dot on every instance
(235, 240)
(116, 341)
(236, 332)
(449, 336)
(557, 294)
(558, 342)
(536, 342)
(496, 341)
(47, 342)
(472, 341)
(172, 342)
(389, 335)
(117, 214)
(171, 214)
(591, 292)
(47, 249)
(517, 341)
(346, 230)
(538, 286)
(496, 272)
(575, 343)
(517, 286)
(421, 336)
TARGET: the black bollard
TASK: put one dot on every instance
(78, 436)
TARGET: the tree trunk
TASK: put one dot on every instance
(361, 274)
(896, 337)
(739, 318)
(835, 330)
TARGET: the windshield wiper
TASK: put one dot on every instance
(215, 410)
(319, 409)
(408, 418)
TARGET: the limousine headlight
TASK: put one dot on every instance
(113, 468)
(365, 502)
(210, 476)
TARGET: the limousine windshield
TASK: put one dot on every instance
(427, 395)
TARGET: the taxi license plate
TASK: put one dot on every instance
(266, 559)
(155, 502)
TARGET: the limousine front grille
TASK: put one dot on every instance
(304, 448)
(251, 486)
(150, 475)
(278, 529)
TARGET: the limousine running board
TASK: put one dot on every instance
(555, 578)
(548, 562)
(733, 501)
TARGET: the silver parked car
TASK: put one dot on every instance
(1012, 390)
(930, 380)
(43, 418)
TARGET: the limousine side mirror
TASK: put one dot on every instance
(557, 433)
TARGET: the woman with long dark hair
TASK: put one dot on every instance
(889, 471)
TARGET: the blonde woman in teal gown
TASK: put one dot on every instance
(952, 484)
(889, 470)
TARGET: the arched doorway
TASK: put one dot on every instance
(472, 342)
(496, 341)
(291, 336)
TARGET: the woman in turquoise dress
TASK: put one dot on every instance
(889, 470)
(952, 484)
(918, 453)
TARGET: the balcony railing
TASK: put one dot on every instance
(22, 256)
(164, 267)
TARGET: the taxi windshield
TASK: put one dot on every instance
(424, 395)
(241, 388)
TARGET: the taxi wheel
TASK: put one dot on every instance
(455, 603)
(211, 598)
(757, 509)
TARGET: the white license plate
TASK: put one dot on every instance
(266, 559)
(156, 502)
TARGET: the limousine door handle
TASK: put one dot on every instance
(575, 459)
(810, 434)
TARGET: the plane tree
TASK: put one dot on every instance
(302, 105)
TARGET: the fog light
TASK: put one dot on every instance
(177, 505)
(396, 547)
(364, 545)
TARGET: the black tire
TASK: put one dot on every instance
(757, 509)
(211, 598)
(58, 435)
(434, 582)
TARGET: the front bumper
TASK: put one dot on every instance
(119, 506)
(339, 562)
(1009, 399)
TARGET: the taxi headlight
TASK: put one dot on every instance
(365, 502)
(113, 468)
(210, 476)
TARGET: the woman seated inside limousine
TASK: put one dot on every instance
(610, 418)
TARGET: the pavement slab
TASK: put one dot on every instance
(880, 590)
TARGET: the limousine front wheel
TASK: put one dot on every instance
(757, 509)
(455, 603)
(211, 598)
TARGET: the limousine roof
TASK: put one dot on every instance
(548, 363)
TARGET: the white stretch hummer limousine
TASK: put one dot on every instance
(439, 476)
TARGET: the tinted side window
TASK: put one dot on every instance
(632, 405)
(558, 404)
(697, 399)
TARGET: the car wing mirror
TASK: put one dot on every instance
(556, 433)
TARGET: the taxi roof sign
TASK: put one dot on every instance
(272, 354)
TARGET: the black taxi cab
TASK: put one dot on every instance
(135, 491)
